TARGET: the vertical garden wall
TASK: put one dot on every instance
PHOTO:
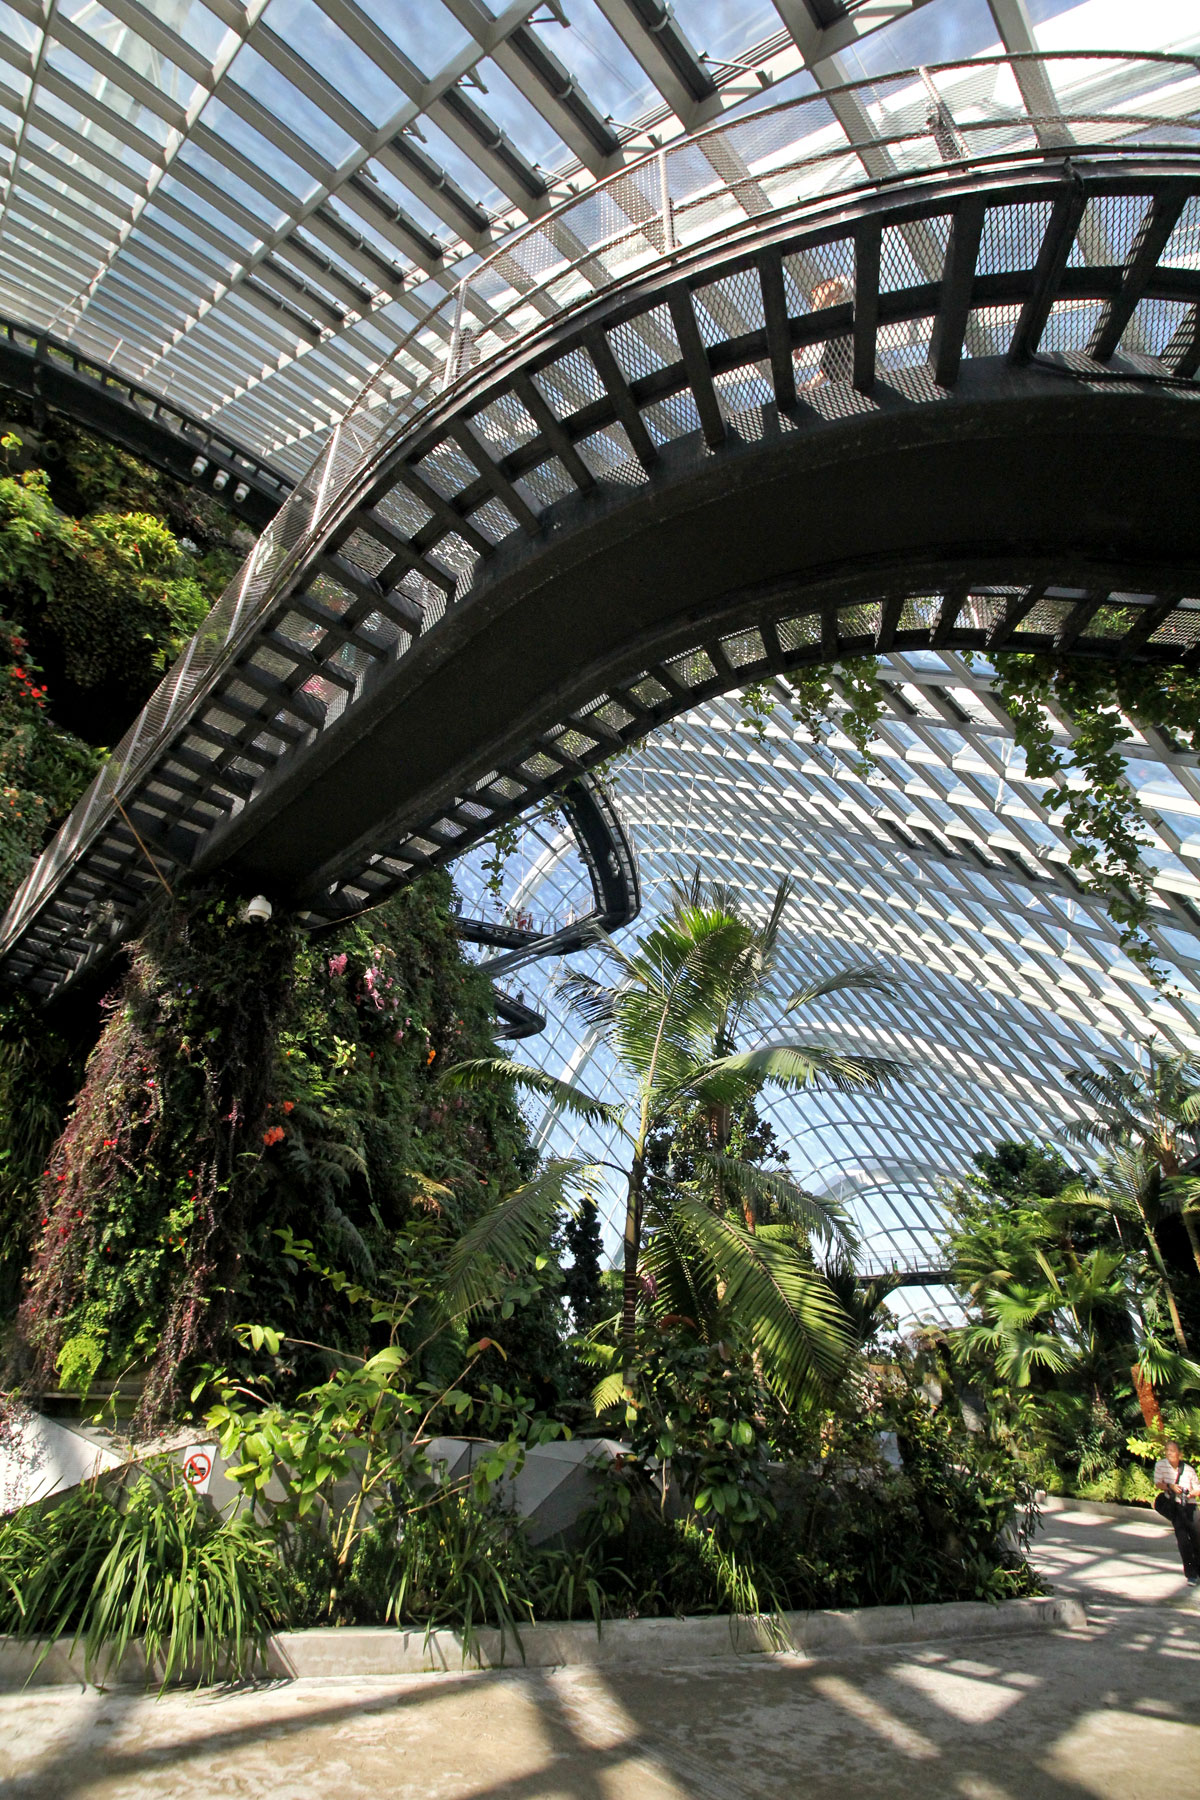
(236, 1077)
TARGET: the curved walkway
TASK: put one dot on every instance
(54, 374)
(1109, 1712)
(761, 421)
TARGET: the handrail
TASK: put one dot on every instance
(45, 351)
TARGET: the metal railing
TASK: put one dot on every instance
(801, 156)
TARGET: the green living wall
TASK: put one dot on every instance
(238, 1077)
(105, 569)
(249, 1078)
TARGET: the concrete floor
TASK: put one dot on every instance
(1110, 1712)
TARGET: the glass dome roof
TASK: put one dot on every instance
(248, 206)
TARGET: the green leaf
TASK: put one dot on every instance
(511, 1234)
(609, 1391)
(763, 1188)
(796, 1321)
(730, 1080)
(495, 1071)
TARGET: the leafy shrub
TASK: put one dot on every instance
(107, 1563)
(1130, 1484)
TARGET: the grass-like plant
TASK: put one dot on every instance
(111, 1563)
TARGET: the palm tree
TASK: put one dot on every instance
(669, 1013)
(1156, 1109)
(1134, 1190)
(1018, 1333)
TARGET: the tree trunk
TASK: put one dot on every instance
(1189, 1225)
(1176, 1321)
(629, 1294)
(1146, 1398)
(1169, 1163)
(1181, 1342)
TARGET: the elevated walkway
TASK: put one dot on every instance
(737, 411)
(54, 374)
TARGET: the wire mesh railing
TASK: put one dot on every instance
(799, 156)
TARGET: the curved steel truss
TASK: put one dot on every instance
(953, 410)
(54, 374)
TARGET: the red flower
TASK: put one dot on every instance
(274, 1134)
(289, 1106)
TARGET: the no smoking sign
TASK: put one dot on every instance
(198, 1466)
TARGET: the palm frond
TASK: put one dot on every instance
(820, 1216)
(1167, 1369)
(1017, 1352)
(680, 1285)
(489, 1071)
(608, 1391)
(509, 1236)
(863, 981)
(730, 1079)
(589, 999)
(802, 1332)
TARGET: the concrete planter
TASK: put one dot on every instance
(366, 1651)
(1103, 1509)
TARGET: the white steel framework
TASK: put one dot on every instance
(248, 205)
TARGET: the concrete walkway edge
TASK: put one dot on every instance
(1101, 1509)
(382, 1651)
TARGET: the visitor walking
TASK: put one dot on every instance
(837, 354)
(1178, 1486)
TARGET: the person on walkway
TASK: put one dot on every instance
(1178, 1486)
(837, 353)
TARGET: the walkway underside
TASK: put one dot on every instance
(817, 540)
(963, 415)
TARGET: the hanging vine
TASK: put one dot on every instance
(1101, 812)
(845, 695)
(1085, 780)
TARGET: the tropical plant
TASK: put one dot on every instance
(1070, 1331)
(349, 1457)
(1133, 1189)
(669, 1014)
(1052, 1323)
(142, 1557)
(1156, 1109)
